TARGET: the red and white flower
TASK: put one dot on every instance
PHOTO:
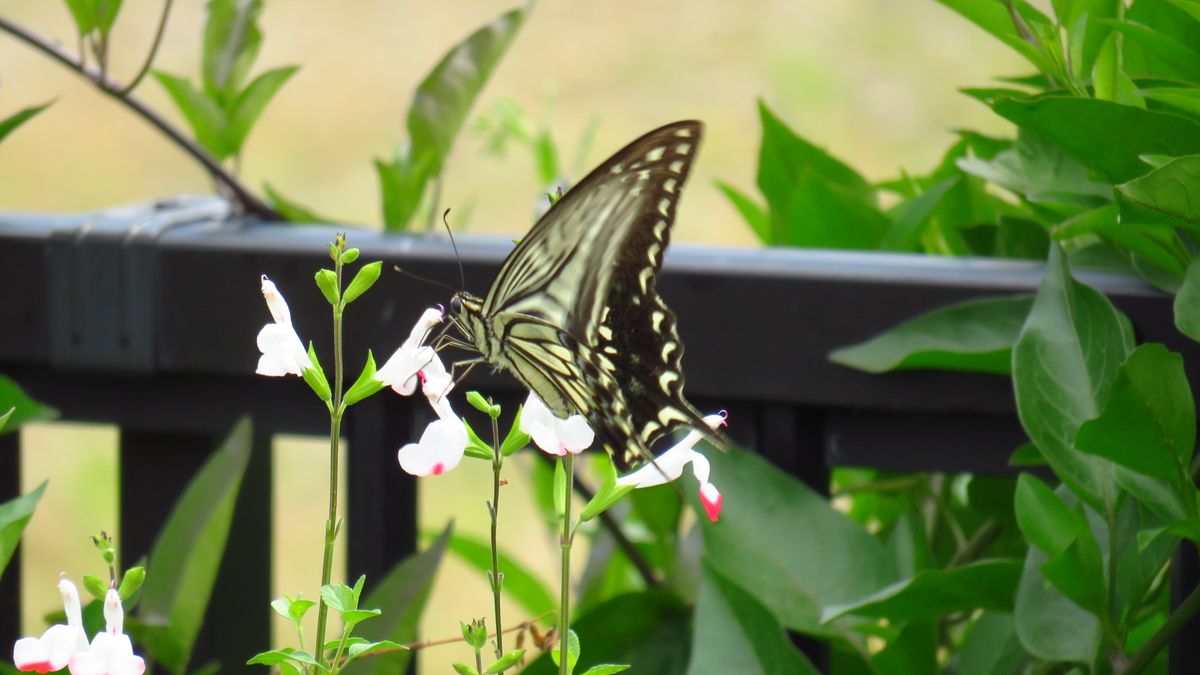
(412, 361)
(111, 652)
(552, 434)
(282, 351)
(441, 446)
(669, 466)
(54, 649)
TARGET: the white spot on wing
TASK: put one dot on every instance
(656, 319)
(676, 166)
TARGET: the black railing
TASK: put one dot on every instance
(145, 318)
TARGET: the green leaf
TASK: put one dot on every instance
(464, 669)
(995, 18)
(734, 633)
(572, 648)
(187, 554)
(755, 214)
(1148, 424)
(991, 647)
(606, 669)
(131, 582)
(327, 281)
(1049, 625)
(363, 280)
(95, 586)
(437, 112)
(985, 584)
(1044, 519)
(1181, 58)
(1104, 136)
(649, 631)
(1187, 302)
(84, 14)
(203, 114)
(366, 384)
(505, 662)
(610, 493)
(20, 408)
(1109, 79)
(913, 650)
(249, 104)
(315, 376)
(814, 199)
(911, 219)
(1064, 362)
(1168, 196)
(10, 123)
(1184, 99)
(292, 210)
(976, 335)
(520, 583)
(231, 43)
(14, 516)
(106, 13)
(401, 595)
(794, 579)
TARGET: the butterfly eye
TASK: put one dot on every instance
(456, 305)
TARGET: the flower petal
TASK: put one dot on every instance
(429, 318)
(54, 649)
(712, 500)
(439, 450)
(400, 370)
(275, 303)
(666, 467)
(552, 434)
(435, 379)
(282, 351)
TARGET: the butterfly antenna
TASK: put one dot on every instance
(462, 276)
(418, 277)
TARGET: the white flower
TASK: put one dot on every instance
(53, 651)
(553, 435)
(441, 446)
(111, 652)
(669, 466)
(282, 351)
(403, 368)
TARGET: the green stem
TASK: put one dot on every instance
(1154, 645)
(335, 427)
(494, 509)
(478, 661)
(564, 605)
(1109, 628)
(158, 36)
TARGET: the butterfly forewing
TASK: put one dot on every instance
(575, 311)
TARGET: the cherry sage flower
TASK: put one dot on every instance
(550, 433)
(669, 466)
(404, 367)
(54, 649)
(111, 652)
(441, 446)
(282, 351)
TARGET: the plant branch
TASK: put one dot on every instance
(1154, 645)
(983, 537)
(494, 509)
(564, 605)
(158, 35)
(249, 202)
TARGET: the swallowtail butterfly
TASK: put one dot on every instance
(574, 313)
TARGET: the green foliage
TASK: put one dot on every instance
(10, 123)
(186, 555)
(18, 408)
(436, 115)
(223, 110)
(520, 583)
(14, 516)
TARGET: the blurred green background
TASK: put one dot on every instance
(873, 81)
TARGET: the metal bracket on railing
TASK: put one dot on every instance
(113, 254)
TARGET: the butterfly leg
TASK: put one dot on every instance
(469, 364)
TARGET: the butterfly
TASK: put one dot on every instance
(574, 313)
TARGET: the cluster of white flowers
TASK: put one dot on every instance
(445, 440)
(66, 646)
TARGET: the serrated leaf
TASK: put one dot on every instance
(187, 553)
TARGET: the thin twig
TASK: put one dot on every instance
(425, 644)
(252, 204)
(158, 35)
(983, 537)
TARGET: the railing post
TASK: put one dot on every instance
(10, 582)
(155, 468)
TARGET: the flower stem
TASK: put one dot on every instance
(335, 427)
(564, 606)
(158, 35)
(494, 510)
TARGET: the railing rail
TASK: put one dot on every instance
(145, 317)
